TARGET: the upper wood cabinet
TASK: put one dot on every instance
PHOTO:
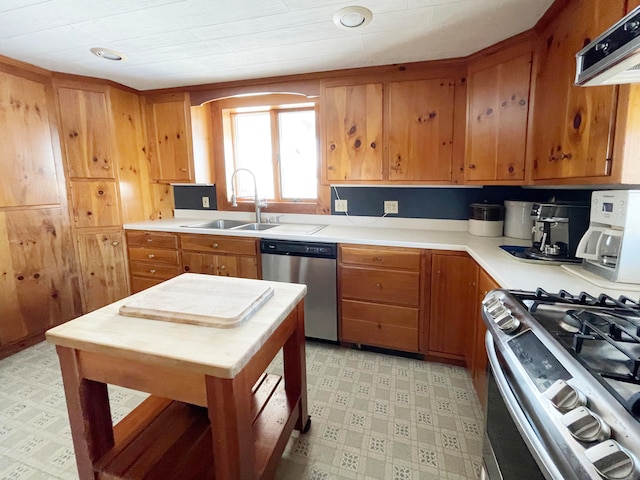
(391, 131)
(497, 115)
(420, 130)
(27, 162)
(86, 134)
(352, 116)
(170, 151)
(573, 127)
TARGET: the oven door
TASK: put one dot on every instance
(512, 448)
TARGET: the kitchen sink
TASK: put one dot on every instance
(220, 223)
(256, 226)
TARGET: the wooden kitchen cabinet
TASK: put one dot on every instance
(28, 165)
(573, 127)
(478, 362)
(497, 116)
(452, 305)
(352, 117)
(95, 203)
(170, 150)
(380, 296)
(103, 278)
(85, 133)
(220, 255)
(153, 258)
(420, 130)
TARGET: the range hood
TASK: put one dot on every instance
(614, 57)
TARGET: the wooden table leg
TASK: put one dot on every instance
(295, 369)
(229, 407)
(89, 414)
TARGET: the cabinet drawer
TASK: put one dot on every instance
(380, 325)
(404, 258)
(377, 285)
(142, 283)
(218, 244)
(154, 255)
(146, 269)
(155, 239)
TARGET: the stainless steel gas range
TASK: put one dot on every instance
(564, 386)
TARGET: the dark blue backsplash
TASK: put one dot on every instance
(441, 203)
(413, 202)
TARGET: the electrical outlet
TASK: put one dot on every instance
(205, 202)
(390, 206)
(341, 206)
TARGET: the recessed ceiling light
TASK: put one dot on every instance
(352, 17)
(108, 54)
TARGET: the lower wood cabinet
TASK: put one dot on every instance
(153, 258)
(452, 305)
(380, 296)
(219, 255)
(478, 362)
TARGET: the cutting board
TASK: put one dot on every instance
(221, 302)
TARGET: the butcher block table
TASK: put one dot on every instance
(213, 412)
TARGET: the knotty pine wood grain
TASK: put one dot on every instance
(95, 203)
(27, 168)
(39, 287)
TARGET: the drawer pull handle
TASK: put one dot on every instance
(149, 240)
(379, 285)
(115, 243)
(215, 245)
(183, 169)
(222, 267)
(105, 167)
(378, 259)
(151, 255)
(153, 270)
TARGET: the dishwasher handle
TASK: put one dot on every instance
(298, 249)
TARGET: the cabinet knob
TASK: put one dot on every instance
(105, 167)
(215, 245)
(568, 156)
(379, 285)
(151, 255)
(115, 243)
(153, 270)
(149, 240)
(472, 165)
(222, 267)
(378, 259)
(183, 169)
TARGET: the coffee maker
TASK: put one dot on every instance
(611, 246)
(557, 229)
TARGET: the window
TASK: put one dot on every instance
(279, 146)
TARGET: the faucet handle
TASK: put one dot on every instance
(262, 202)
(274, 218)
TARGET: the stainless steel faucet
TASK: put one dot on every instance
(259, 204)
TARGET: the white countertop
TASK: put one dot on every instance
(219, 352)
(438, 235)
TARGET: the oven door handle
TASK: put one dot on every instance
(536, 447)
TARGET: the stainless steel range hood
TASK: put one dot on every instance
(614, 57)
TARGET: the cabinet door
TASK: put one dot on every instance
(95, 204)
(169, 129)
(39, 285)
(205, 263)
(85, 133)
(27, 163)
(453, 303)
(497, 120)
(573, 126)
(352, 117)
(420, 130)
(103, 268)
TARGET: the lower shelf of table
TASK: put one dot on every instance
(166, 439)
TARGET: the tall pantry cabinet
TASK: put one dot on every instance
(101, 129)
(38, 280)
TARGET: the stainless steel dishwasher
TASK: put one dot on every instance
(313, 264)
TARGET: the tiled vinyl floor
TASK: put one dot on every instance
(374, 416)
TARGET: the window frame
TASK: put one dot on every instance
(221, 120)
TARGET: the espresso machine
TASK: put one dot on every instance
(557, 230)
(611, 246)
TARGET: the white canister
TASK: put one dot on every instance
(486, 220)
(517, 220)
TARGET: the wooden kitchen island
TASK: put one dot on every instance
(213, 412)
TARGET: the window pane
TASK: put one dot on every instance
(298, 154)
(253, 151)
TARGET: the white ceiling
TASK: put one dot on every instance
(171, 43)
